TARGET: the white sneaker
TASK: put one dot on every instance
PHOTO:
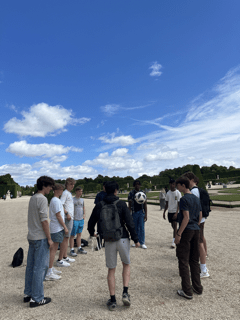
(55, 271)
(68, 259)
(72, 253)
(204, 275)
(133, 245)
(52, 277)
(62, 263)
(143, 246)
(173, 245)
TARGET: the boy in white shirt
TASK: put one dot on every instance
(78, 223)
(172, 205)
(57, 229)
(67, 202)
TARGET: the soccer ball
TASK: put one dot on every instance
(140, 197)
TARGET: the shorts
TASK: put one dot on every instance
(111, 248)
(58, 236)
(170, 217)
(69, 225)
(201, 232)
(77, 227)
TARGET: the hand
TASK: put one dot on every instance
(164, 217)
(66, 230)
(177, 239)
(137, 245)
(50, 242)
(68, 217)
(95, 234)
(145, 217)
(175, 216)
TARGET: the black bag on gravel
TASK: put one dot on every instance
(17, 258)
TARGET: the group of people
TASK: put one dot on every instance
(116, 224)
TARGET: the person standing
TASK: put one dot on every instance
(139, 213)
(40, 242)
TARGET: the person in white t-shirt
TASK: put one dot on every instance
(68, 207)
(172, 205)
(57, 229)
(202, 241)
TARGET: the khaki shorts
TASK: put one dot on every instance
(111, 248)
(201, 232)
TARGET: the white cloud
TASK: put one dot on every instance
(155, 69)
(110, 109)
(42, 120)
(120, 140)
(24, 149)
(120, 152)
(168, 155)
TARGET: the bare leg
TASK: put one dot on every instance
(111, 281)
(126, 274)
(53, 251)
(174, 226)
(202, 254)
(79, 239)
(205, 245)
(71, 242)
(63, 248)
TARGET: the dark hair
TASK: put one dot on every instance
(78, 188)
(58, 186)
(111, 186)
(104, 183)
(191, 176)
(136, 181)
(44, 181)
(183, 180)
(171, 181)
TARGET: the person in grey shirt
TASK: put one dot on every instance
(39, 243)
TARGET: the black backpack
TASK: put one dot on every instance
(17, 258)
(110, 223)
(205, 202)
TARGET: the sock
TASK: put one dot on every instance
(203, 267)
(59, 260)
(64, 257)
(72, 249)
(79, 247)
(173, 239)
(113, 298)
(49, 271)
(125, 289)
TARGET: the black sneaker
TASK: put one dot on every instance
(111, 305)
(44, 301)
(26, 298)
(126, 299)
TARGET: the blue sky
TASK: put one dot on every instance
(118, 87)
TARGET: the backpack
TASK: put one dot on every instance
(110, 223)
(17, 258)
(205, 202)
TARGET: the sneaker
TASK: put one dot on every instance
(55, 271)
(126, 299)
(26, 298)
(111, 305)
(52, 277)
(133, 245)
(143, 246)
(81, 251)
(194, 290)
(181, 293)
(67, 259)
(204, 274)
(173, 245)
(62, 263)
(72, 253)
(44, 301)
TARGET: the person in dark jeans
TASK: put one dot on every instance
(187, 240)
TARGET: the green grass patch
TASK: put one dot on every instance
(235, 191)
(230, 197)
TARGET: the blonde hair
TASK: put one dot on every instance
(68, 181)
(58, 186)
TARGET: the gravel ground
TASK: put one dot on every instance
(82, 292)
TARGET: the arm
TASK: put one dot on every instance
(145, 210)
(130, 205)
(165, 209)
(93, 220)
(60, 220)
(175, 215)
(84, 214)
(183, 226)
(45, 226)
(63, 200)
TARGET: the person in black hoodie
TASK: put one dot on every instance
(122, 246)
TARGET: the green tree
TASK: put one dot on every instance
(196, 170)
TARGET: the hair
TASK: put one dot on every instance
(111, 186)
(78, 188)
(68, 181)
(191, 176)
(104, 183)
(58, 186)
(136, 181)
(183, 180)
(44, 181)
(171, 180)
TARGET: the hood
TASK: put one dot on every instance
(110, 198)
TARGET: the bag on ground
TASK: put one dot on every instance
(17, 258)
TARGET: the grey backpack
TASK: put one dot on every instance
(110, 222)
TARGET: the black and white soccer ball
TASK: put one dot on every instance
(140, 197)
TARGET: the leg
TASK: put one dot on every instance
(53, 251)
(174, 226)
(71, 242)
(111, 281)
(202, 254)
(205, 244)
(63, 248)
(29, 269)
(79, 239)
(141, 233)
(194, 263)
(126, 274)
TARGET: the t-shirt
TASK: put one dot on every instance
(67, 202)
(78, 208)
(134, 205)
(37, 213)
(55, 207)
(173, 197)
(191, 203)
(196, 192)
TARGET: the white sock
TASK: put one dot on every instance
(49, 271)
(72, 249)
(79, 247)
(203, 267)
(173, 239)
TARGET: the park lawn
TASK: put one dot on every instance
(230, 197)
(234, 191)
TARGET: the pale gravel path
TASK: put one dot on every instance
(82, 292)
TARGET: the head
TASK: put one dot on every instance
(103, 186)
(79, 192)
(69, 184)
(192, 178)
(137, 184)
(58, 189)
(182, 184)
(172, 184)
(111, 187)
(45, 184)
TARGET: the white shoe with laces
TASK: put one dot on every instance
(55, 271)
(62, 263)
(67, 259)
(204, 275)
(143, 246)
(133, 245)
(52, 277)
